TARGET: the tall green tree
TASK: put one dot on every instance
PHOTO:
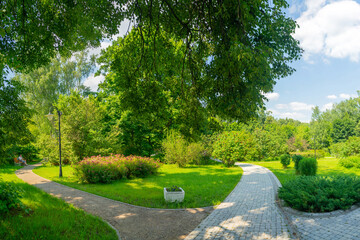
(232, 51)
(14, 118)
(44, 85)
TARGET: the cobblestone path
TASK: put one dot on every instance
(249, 212)
(343, 227)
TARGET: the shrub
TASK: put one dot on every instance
(350, 147)
(296, 159)
(175, 147)
(350, 162)
(195, 153)
(99, 169)
(308, 166)
(234, 146)
(285, 160)
(178, 150)
(9, 197)
(311, 154)
(321, 194)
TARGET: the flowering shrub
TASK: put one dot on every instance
(97, 169)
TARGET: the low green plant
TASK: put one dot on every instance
(296, 159)
(174, 188)
(308, 166)
(321, 194)
(350, 162)
(10, 197)
(285, 160)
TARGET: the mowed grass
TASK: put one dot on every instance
(326, 167)
(49, 217)
(204, 186)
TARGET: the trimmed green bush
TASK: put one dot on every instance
(321, 194)
(296, 159)
(350, 162)
(9, 197)
(285, 160)
(308, 166)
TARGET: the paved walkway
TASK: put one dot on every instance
(131, 222)
(249, 212)
(343, 227)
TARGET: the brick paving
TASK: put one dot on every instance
(343, 227)
(249, 212)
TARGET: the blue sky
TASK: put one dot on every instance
(328, 72)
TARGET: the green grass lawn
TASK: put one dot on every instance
(206, 185)
(326, 167)
(49, 218)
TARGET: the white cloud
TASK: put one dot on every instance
(332, 97)
(327, 106)
(93, 82)
(347, 96)
(272, 96)
(303, 117)
(295, 106)
(331, 28)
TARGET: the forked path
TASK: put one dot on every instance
(131, 222)
(249, 212)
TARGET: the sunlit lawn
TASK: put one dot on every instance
(326, 166)
(49, 218)
(203, 185)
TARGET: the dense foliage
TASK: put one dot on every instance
(296, 159)
(9, 197)
(178, 150)
(350, 162)
(308, 166)
(285, 160)
(99, 169)
(321, 194)
(15, 117)
(234, 146)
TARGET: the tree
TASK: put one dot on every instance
(14, 118)
(61, 76)
(232, 51)
(34, 31)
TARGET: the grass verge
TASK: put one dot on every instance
(326, 167)
(49, 217)
(206, 185)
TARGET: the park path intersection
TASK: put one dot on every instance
(249, 212)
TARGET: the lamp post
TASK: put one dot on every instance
(50, 116)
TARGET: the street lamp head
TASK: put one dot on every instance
(50, 116)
